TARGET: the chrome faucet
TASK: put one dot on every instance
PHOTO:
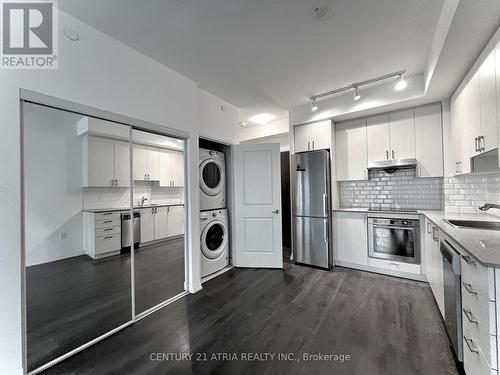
(143, 199)
(487, 206)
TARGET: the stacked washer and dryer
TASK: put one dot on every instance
(214, 226)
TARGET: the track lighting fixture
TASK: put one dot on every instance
(401, 84)
(357, 96)
(314, 105)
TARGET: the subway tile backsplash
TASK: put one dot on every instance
(403, 190)
(400, 189)
(466, 193)
(97, 198)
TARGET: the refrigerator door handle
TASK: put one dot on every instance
(325, 228)
(325, 213)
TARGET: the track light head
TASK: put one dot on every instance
(357, 95)
(401, 84)
(314, 105)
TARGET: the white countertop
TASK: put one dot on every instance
(135, 207)
(481, 244)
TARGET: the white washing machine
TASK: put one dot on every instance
(212, 180)
(214, 241)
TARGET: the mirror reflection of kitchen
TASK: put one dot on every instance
(158, 174)
(78, 281)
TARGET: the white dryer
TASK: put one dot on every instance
(214, 241)
(212, 180)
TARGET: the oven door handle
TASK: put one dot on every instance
(392, 227)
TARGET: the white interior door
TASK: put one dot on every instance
(257, 214)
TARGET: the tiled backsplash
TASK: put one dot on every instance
(400, 189)
(96, 198)
(466, 193)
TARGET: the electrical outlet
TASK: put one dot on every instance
(62, 235)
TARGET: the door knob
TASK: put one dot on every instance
(276, 211)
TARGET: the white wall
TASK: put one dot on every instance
(100, 72)
(53, 184)
(282, 139)
(273, 128)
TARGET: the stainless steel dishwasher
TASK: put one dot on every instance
(128, 229)
(452, 296)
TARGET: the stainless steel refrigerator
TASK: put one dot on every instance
(311, 213)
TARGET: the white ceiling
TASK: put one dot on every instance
(268, 56)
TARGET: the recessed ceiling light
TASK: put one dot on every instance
(401, 84)
(262, 118)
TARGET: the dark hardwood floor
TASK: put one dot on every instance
(386, 325)
(72, 301)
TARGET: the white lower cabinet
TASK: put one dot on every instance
(391, 265)
(175, 221)
(478, 317)
(433, 262)
(161, 225)
(147, 225)
(161, 222)
(102, 234)
(351, 239)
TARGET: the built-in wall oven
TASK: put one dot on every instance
(394, 239)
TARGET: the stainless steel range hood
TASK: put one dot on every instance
(392, 165)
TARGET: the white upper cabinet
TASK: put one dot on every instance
(402, 134)
(350, 151)
(315, 136)
(106, 162)
(171, 168)
(474, 114)
(321, 133)
(153, 163)
(165, 168)
(488, 105)
(98, 159)
(177, 168)
(140, 162)
(122, 163)
(429, 141)
(377, 133)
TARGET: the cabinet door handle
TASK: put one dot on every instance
(108, 229)
(116, 182)
(476, 144)
(308, 145)
(313, 144)
(387, 154)
(428, 227)
(108, 237)
(481, 143)
(470, 317)
(468, 259)
(392, 154)
(471, 345)
(106, 213)
(107, 221)
(434, 236)
(468, 287)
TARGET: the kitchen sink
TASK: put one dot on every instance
(474, 224)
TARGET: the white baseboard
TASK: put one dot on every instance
(382, 271)
(218, 273)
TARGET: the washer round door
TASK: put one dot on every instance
(213, 239)
(211, 177)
